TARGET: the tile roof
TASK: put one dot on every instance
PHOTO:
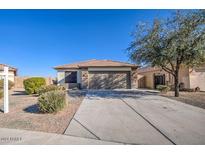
(10, 67)
(95, 63)
(148, 69)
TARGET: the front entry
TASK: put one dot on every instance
(159, 80)
(70, 77)
(71, 80)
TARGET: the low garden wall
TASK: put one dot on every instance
(18, 81)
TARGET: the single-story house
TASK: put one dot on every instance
(12, 72)
(98, 74)
(190, 78)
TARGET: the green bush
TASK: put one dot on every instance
(52, 101)
(44, 89)
(11, 84)
(1, 93)
(31, 85)
(163, 88)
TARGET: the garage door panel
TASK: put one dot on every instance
(108, 80)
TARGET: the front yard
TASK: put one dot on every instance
(24, 113)
(192, 98)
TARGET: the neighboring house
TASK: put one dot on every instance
(150, 77)
(12, 72)
(98, 74)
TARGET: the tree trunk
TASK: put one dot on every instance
(176, 83)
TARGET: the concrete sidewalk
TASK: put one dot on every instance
(14, 136)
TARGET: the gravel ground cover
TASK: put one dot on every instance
(192, 98)
(24, 113)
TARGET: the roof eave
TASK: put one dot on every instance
(62, 68)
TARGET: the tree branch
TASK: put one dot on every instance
(172, 65)
(168, 70)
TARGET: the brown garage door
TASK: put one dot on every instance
(109, 80)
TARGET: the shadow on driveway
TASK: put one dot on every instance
(110, 94)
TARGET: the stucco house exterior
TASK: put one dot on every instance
(98, 74)
(12, 72)
(190, 78)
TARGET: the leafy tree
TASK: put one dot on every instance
(170, 43)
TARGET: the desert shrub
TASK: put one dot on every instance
(11, 84)
(163, 88)
(31, 85)
(44, 89)
(52, 101)
(1, 93)
(181, 86)
(197, 89)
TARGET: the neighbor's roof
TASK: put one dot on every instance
(10, 67)
(96, 63)
(148, 69)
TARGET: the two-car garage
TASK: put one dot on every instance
(109, 80)
(99, 74)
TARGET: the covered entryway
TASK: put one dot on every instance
(109, 80)
(71, 80)
(159, 80)
(71, 77)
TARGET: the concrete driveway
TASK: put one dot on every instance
(137, 117)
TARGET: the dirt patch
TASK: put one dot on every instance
(24, 113)
(192, 98)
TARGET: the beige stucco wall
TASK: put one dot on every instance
(169, 79)
(84, 79)
(149, 83)
(197, 78)
(149, 78)
(83, 75)
(61, 77)
(184, 76)
(11, 75)
(191, 78)
(134, 79)
(141, 81)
